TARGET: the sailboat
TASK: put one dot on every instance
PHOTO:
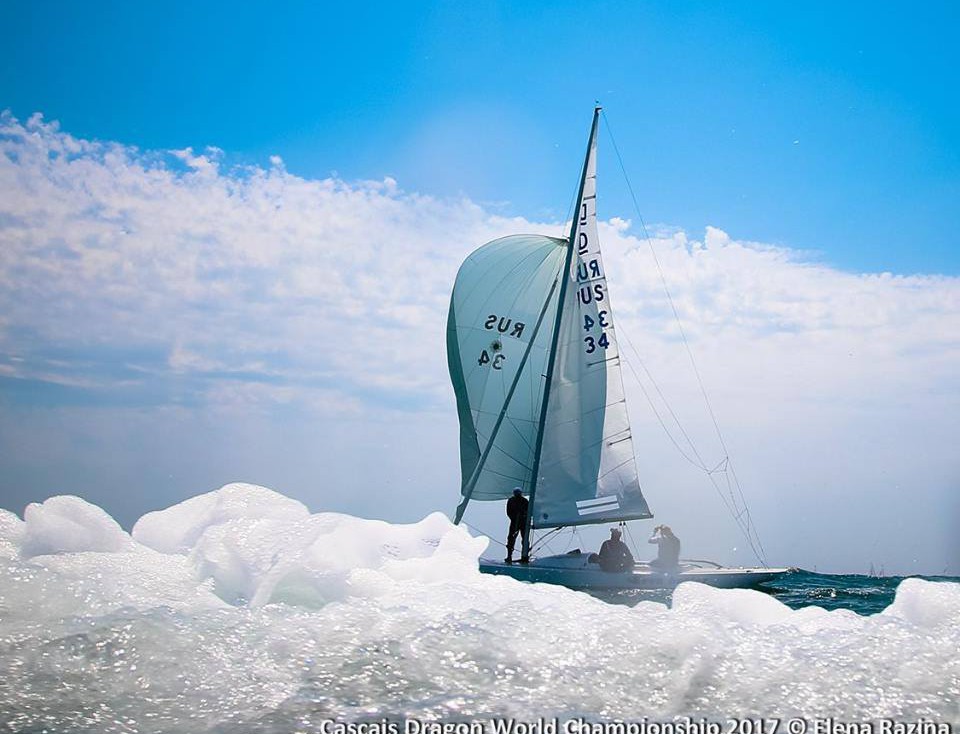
(535, 366)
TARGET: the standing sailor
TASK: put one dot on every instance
(517, 507)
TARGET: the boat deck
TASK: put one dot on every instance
(576, 572)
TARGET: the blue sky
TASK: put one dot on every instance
(820, 126)
(271, 308)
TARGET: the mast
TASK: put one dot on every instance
(551, 361)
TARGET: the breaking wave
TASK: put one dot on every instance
(239, 610)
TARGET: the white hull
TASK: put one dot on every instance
(575, 572)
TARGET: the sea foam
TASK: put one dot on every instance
(239, 610)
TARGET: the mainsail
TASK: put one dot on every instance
(507, 343)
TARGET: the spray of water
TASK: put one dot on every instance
(239, 610)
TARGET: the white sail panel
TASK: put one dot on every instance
(587, 470)
(502, 290)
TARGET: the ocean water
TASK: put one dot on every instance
(862, 594)
(239, 611)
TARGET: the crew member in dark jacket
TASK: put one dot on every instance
(614, 554)
(517, 512)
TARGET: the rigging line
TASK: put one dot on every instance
(666, 289)
(726, 475)
(486, 535)
(736, 480)
(731, 505)
(663, 398)
(565, 227)
(736, 509)
(663, 425)
(746, 527)
(568, 220)
(676, 419)
(544, 538)
(676, 315)
(636, 549)
(697, 462)
(721, 466)
(546, 547)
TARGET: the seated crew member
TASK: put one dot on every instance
(614, 554)
(668, 549)
(517, 512)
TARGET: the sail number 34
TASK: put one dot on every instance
(590, 341)
(496, 362)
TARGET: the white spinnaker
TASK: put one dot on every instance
(502, 291)
(588, 472)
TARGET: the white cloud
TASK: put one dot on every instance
(244, 288)
(105, 245)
